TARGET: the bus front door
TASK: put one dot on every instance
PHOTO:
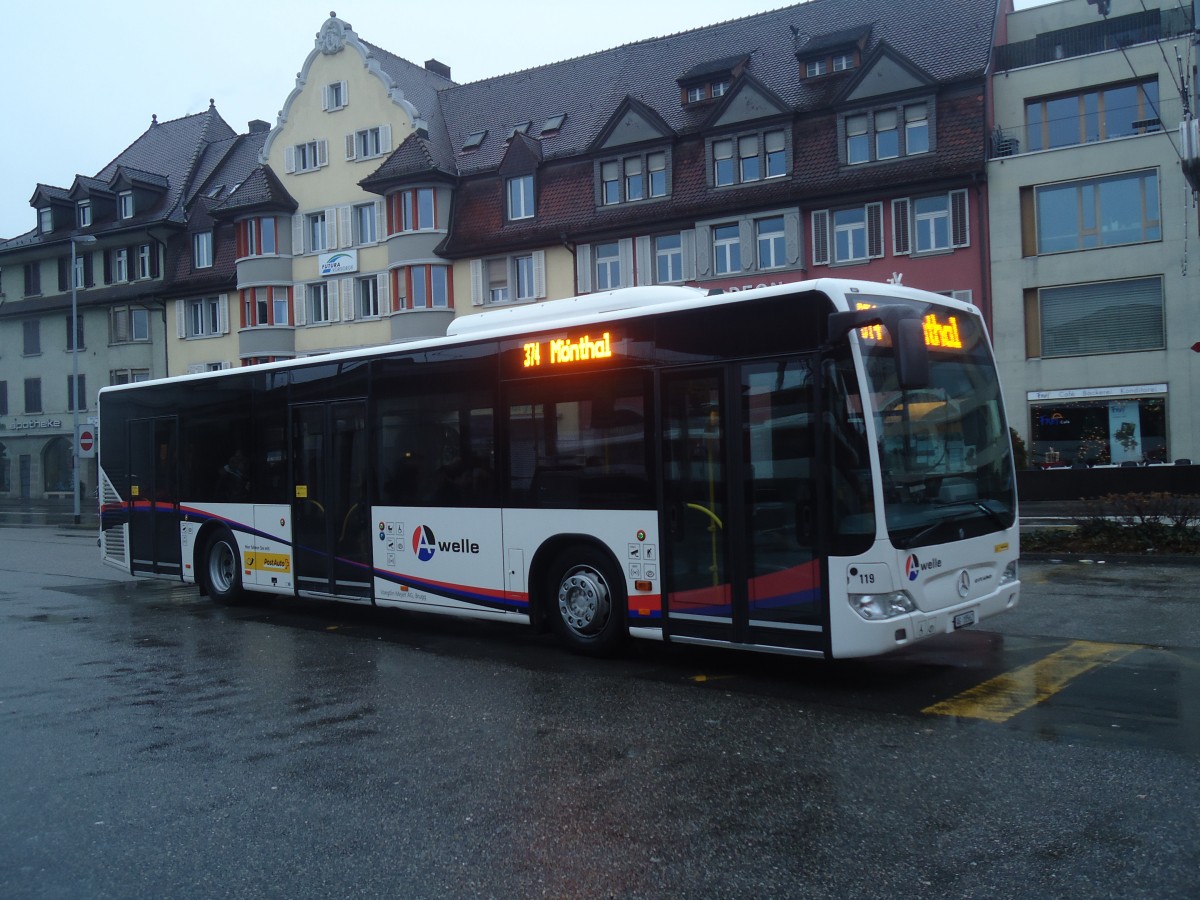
(154, 539)
(330, 528)
(740, 504)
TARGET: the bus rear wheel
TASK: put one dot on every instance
(223, 568)
(586, 599)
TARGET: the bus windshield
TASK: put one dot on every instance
(944, 449)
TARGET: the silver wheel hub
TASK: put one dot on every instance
(583, 601)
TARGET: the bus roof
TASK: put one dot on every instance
(582, 310)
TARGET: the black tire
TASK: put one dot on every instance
(585, 600)
(223, 568)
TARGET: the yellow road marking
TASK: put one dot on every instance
(1002, 697)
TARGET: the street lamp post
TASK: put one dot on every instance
(75, 239)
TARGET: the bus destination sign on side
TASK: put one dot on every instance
(567, 351)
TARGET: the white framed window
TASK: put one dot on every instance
(316, 232)
(202, 250)
(428, 287)
(916, 129)
(815, 67)
(280, 307)
(204, 317)
(120, 264)
(886, 133)
(129, 324)
(45, 220)
(125, 204)
(497, 281)
(608, 266)
(936, 223)
(696, 93)
(523, 281)
(366, 290)
(850, 235)
(366, 224)
(335, 96)
(520, 198)
(306, 157)
(318, 303)
(632, 178)
(369, 143)
(668, 259)
(727, 249)
(770, 237)
(128, 376)
(843, 61)
(748, 158)
(84, 213)
(505, 279)
(144, 267)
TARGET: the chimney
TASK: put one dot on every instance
(438, 68)
(258, 126)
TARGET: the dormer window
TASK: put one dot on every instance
(45, 220)
(816, 68)
(125, 204)
(84, 213)
(553, 125)
(474, 140)
(708, 90)
(843, 61)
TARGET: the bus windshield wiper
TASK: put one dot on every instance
(976, 506)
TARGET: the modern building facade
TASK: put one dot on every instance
(1093, 232)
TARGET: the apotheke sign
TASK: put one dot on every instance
(36, 425)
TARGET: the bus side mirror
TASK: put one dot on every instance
(908, 338)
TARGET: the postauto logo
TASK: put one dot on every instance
(425, 545)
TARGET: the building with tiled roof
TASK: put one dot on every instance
(835, 136)
(106, 237)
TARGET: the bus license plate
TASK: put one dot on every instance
(963, 619)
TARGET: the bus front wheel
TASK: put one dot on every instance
(586, 599)
(223, 568)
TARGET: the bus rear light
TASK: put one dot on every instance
(882, 606)
(643, 585)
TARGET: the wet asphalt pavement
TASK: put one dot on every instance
(154, 744)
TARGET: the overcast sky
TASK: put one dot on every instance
(82, 78)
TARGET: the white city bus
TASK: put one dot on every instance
(820, 469)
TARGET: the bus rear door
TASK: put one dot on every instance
(154, 502)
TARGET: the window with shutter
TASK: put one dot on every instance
(820, 237)
(959, 219)
(1106, 317)
(901, 235)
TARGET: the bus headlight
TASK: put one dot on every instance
(882, 606)
(1009, 575)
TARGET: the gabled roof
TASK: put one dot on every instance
(260, 191)
(949, 41)
(416, 159)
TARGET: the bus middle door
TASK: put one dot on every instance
(330, 513)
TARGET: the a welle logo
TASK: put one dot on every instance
(425, 545)
(914, 567)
